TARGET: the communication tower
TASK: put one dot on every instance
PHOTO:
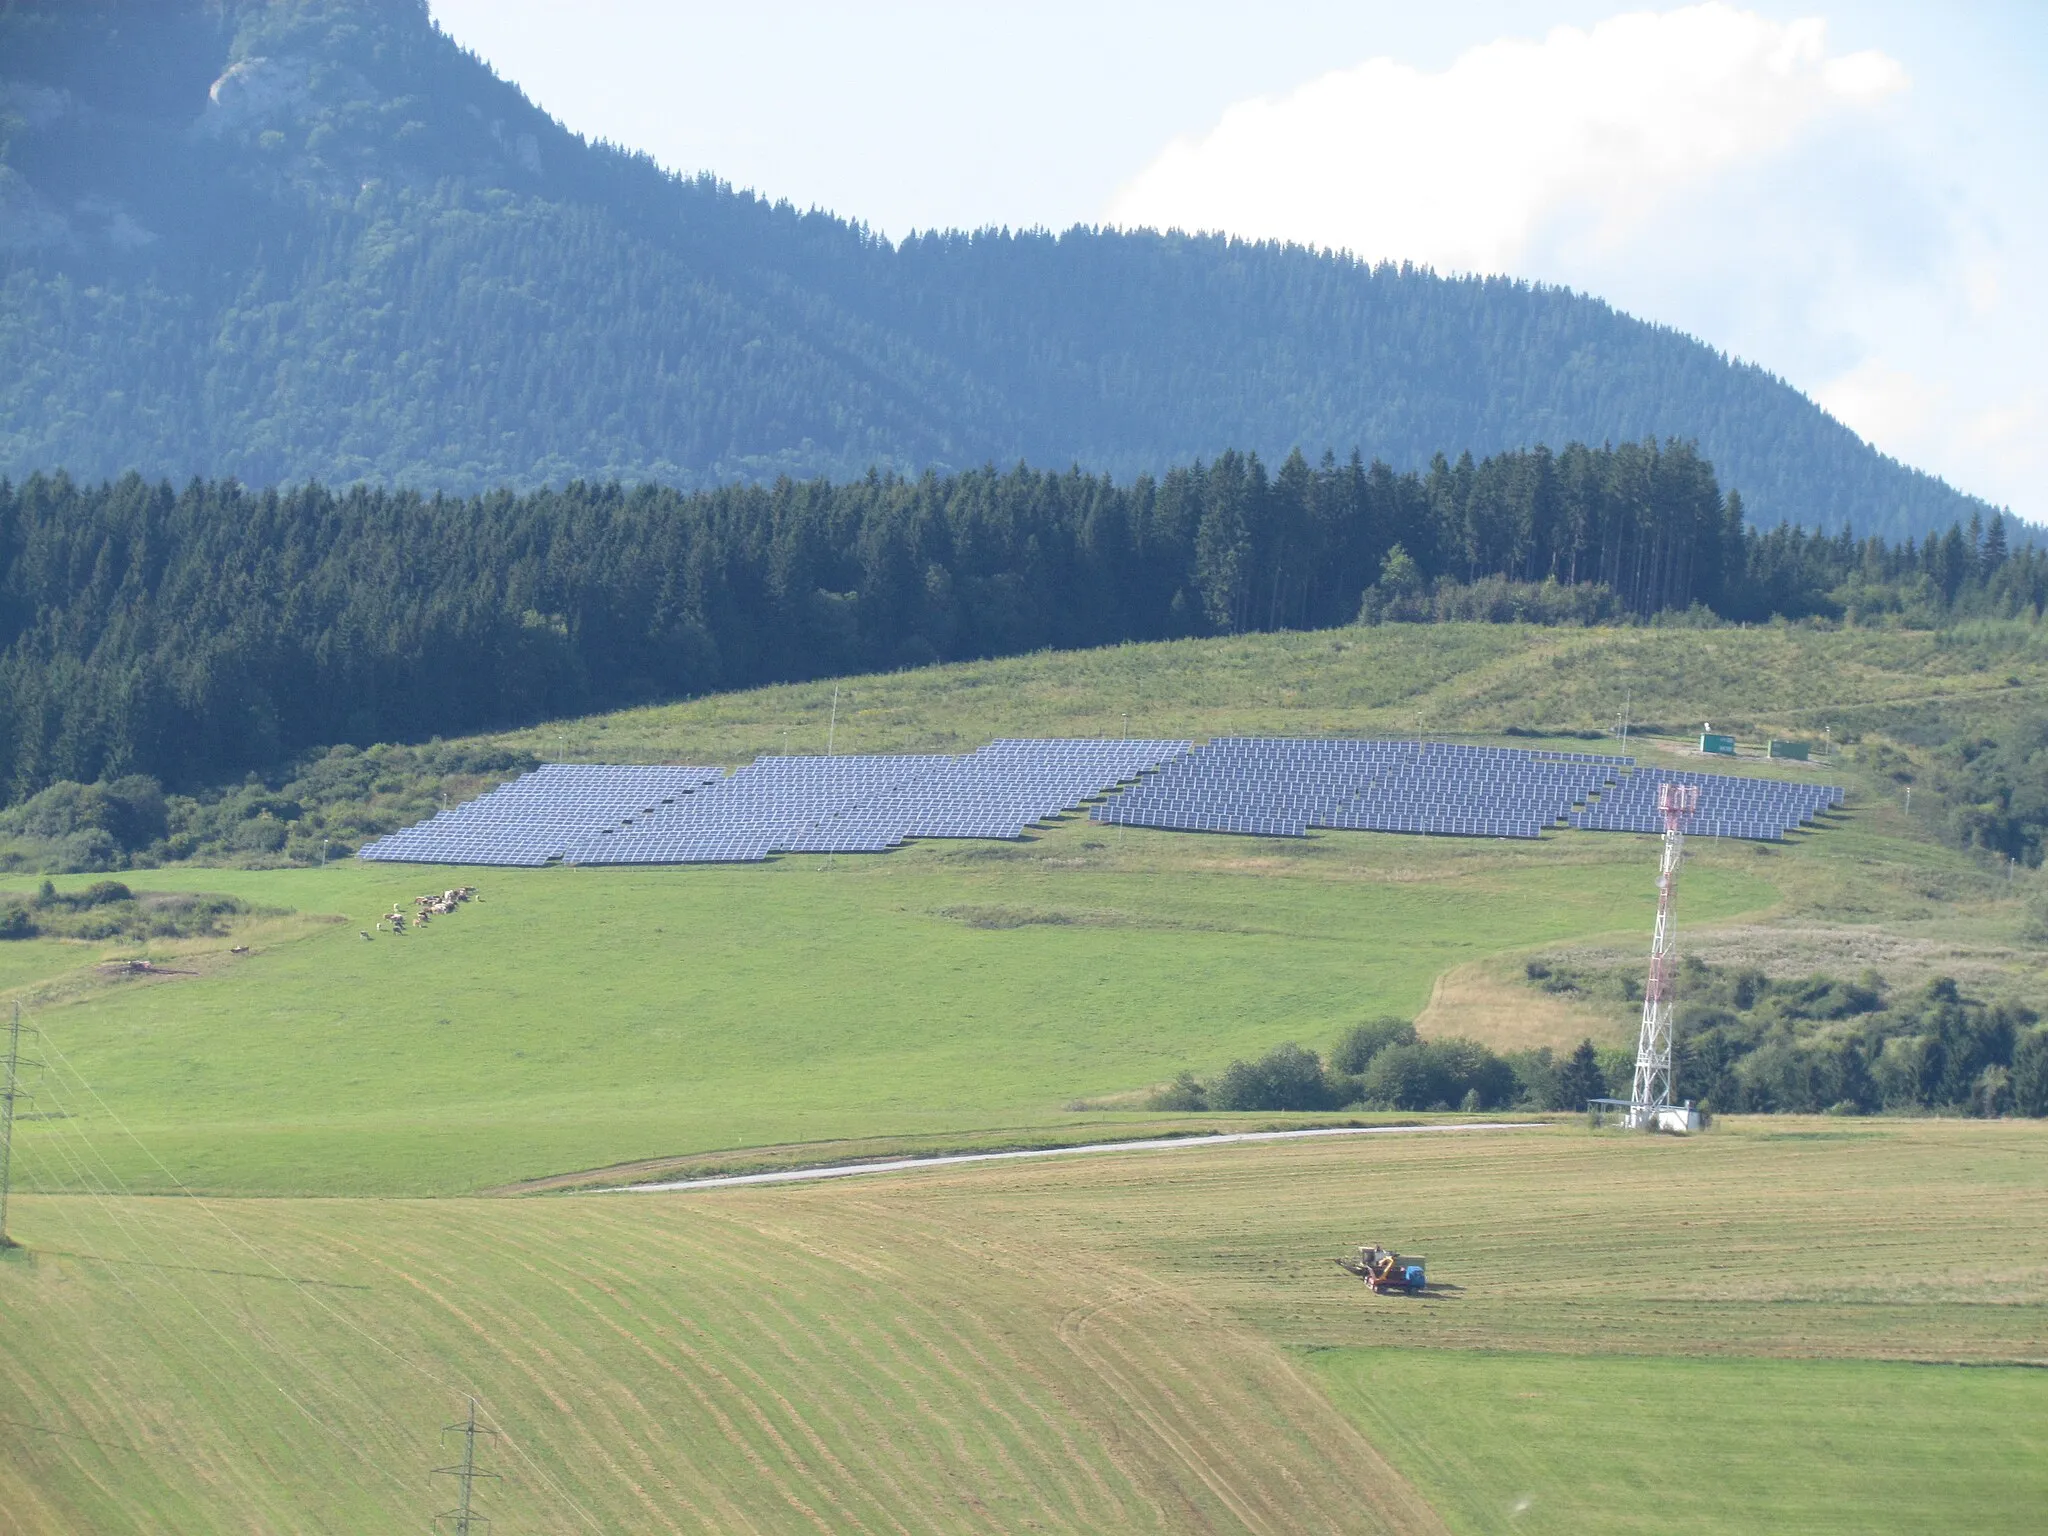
(1649, 1106)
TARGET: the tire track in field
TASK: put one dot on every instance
(1157, 1364)
(615, 1288)
(477, 1321)
(938, 1371)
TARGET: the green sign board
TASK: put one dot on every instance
(1798, 751)
(1724, 745)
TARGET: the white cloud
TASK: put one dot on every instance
(1461, 168)
(1709, 168)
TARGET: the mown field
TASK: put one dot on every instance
(1144, 1342)
(1141, 1342)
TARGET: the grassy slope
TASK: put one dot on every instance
(1123, 1343)
(582, 1018)
(579, 1018)
(1393, 679)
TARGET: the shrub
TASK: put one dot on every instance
(1185, 1094)
(2030, 1073)
(1436, 1074)
(1358, 1045)
(1286, 1077)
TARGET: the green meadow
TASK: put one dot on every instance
(1542, 1443)
(578, 1018)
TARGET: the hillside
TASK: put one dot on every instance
(292, 239)
(1120, 1341)
(955, 990)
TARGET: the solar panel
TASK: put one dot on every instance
(1250, 786)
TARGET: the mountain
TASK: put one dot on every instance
(314, 239)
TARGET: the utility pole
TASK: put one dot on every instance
(463, 1517)
(832, 735)
(10, 1092)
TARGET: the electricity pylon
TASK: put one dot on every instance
(463, 1518)
(1652, 1090)
(10, 1094)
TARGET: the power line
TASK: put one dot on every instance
(533, 1466)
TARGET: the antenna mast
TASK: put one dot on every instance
(1650, 1100)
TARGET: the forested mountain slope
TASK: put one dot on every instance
(292, 239)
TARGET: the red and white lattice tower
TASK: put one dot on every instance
(1652, 1092)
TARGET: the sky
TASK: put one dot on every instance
(1854, 195)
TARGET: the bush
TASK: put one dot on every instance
(1286, 1077)
(1358, 1045)
(1436, 1074)
(2030, 1073)
(1185, 1094)
(15, 922)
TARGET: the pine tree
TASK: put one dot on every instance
(1581, 1078)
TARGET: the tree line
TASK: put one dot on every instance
(1744, 1043)
(197, 635)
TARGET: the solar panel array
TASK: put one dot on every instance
(773, 805)
(1282, 787)
(1266, 786)
(541, 815)
(1764, 809)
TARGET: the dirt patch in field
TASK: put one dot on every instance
(1483, 1001)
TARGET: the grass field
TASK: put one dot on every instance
(1395, 679)
(580, 1018)
(1529, 1443)
(1145, 1342)
(1115, 1343)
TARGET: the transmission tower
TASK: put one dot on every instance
(463, 1517)
(10, 1094)
(1652, 1092)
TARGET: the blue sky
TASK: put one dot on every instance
(1851, 194)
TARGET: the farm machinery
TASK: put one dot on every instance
(1385, 1270)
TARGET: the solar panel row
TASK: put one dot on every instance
(1283, 787)
(601, 815)
(1262, 786)
(539, 816)
(1761, 809)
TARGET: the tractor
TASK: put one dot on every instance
(1385, 1270)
